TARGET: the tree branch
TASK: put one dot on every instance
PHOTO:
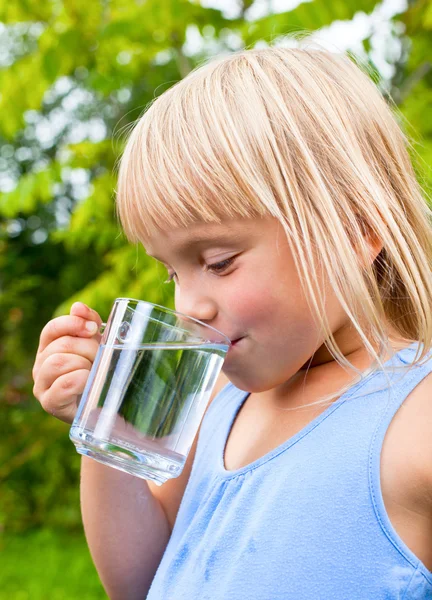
(183, 63)
(411, 81)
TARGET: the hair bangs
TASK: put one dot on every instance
(180, 166)
(304, 136)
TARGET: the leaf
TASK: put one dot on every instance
(93, 220)
(20, 91)
(33, 189)
(87, 154)
(51, 64)
(23, 10)
(307, 16)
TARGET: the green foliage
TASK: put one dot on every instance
(168, 381)
(48, 565)
(36, 471)
(75, 75)
(308, 16)
(32, 190)
(413, 86)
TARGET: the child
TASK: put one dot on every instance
(276, 188)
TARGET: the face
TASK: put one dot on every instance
(240, 277)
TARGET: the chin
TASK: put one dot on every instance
(248, 384)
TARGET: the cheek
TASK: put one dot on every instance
(265, 299)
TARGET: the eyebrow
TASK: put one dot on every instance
(198, 240)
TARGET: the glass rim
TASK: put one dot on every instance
(176, 312)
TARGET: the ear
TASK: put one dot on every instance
(374, 244)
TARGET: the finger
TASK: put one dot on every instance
(79, 309)
(67, 345)
(66, 325)
(54, 367)
(61, 400)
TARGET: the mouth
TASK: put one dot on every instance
(236, 341)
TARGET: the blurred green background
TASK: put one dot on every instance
(73, 75)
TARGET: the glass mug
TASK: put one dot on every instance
(148, 389)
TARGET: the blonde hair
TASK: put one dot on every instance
(304, 136)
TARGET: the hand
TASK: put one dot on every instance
(66, 352)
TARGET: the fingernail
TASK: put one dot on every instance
(77, 305)
(91, 326)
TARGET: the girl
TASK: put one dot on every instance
(276, 188)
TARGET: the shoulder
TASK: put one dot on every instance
(406, 471)
(407, 451)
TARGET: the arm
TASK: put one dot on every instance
(125, 527)
(128, 522)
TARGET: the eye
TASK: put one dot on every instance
(221, 266)
(216, 268)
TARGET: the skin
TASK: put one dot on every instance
(258, 298)
(282, 360)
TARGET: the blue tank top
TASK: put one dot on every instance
(304, 522)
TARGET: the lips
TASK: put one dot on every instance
(235, 341)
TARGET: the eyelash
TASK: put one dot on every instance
(224, 263)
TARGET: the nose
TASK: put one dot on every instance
(196, 303)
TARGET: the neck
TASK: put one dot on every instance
(321, 375)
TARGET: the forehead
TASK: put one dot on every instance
(196, 234)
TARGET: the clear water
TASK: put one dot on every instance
(142, 406)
